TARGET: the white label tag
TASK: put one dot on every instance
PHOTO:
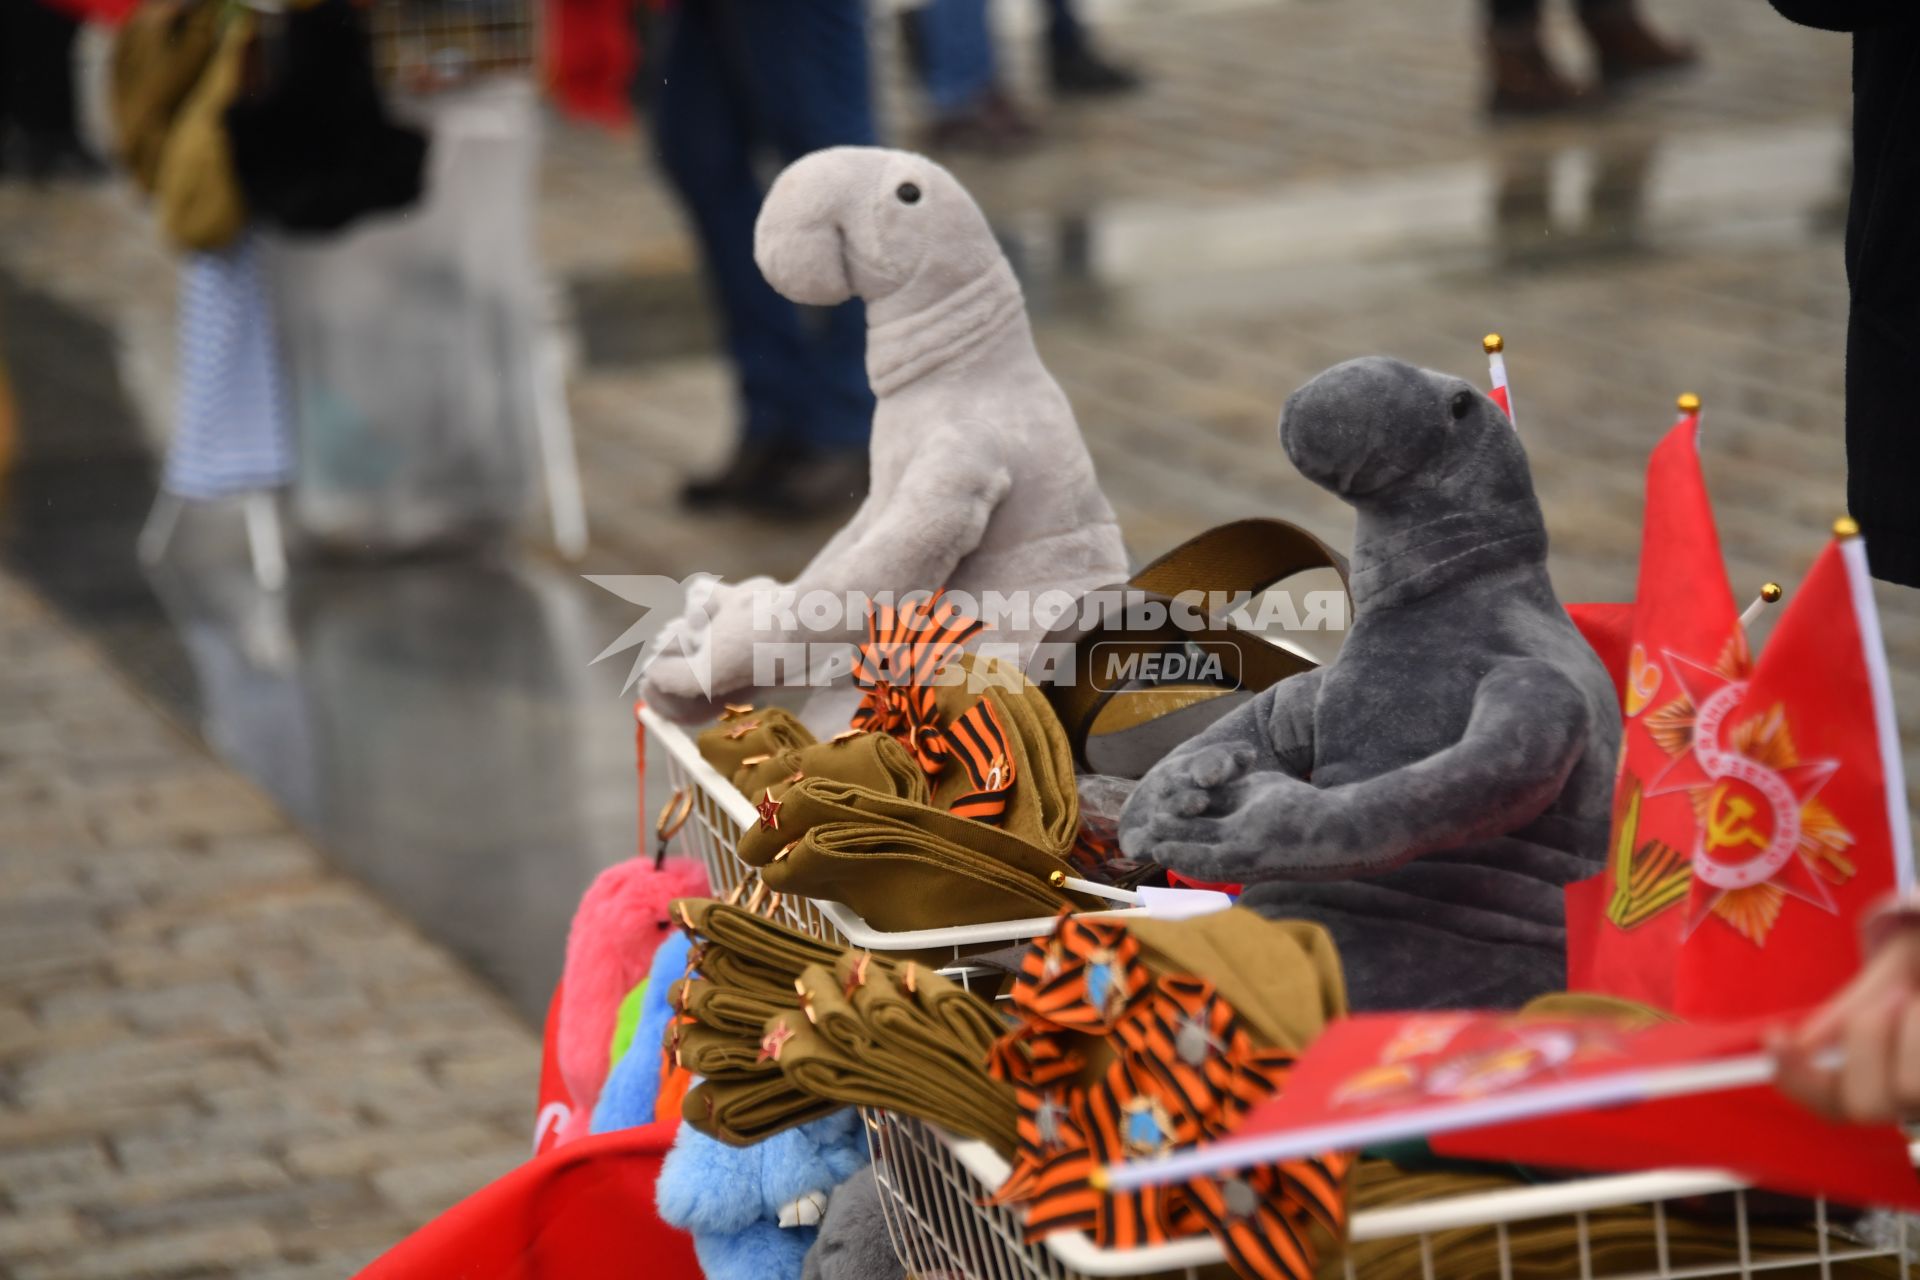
(1182, 904)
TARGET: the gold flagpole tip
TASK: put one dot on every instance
(1771, 592)
(1846, 527)
(1057, 878)
(1097, 1177)
(1493, 344)
(1688, 402)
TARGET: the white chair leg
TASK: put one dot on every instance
(157, 532)
(559, 463)
(264, 542)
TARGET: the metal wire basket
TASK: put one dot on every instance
(425, 46)
(933, 1186)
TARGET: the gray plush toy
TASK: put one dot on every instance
(979, 478)
(854, 1243)
(1427, 794)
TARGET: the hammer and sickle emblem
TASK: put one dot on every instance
(1730, 822)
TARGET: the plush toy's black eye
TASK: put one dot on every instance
(908, 193)
(1462, 404)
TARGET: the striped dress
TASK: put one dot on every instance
(232, 429)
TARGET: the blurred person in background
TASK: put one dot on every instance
(1883, 273)
(39, 125)
(1523, 78)
(739, 82)
(949, 48)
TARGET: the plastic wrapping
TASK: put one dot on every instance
(411, 341)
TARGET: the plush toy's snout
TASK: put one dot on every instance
(800, 240)
(1364, 424)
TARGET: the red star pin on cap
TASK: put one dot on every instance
(775, 1041)
(857, 978)
(769, 810)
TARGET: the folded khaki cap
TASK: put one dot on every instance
(871, 761)
(778, 949)
(1282, 977)
(742, 1114)
(744, 732)
(1043, 803)
(966, 1103)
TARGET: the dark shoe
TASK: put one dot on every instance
(1525, 81)
(801, 483)
(1079, 71)
(1627, 47)
(991, 123)
(735, 483)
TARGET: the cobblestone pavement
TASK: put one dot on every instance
(218, 1057)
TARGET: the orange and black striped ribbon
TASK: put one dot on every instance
(1123, 1116)
(1080, 978)
(980, 744)
(1191, 1041)
(895, 667)
(1040, 1068)
(1263, 1217)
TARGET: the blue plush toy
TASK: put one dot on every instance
(633, 1085)
(732, 1199)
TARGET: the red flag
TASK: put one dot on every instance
(1794, 770)
(1623, 926)
(1567, 1092)
(1608, 627)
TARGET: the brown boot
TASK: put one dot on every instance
(1525, 81)
(1627, 47)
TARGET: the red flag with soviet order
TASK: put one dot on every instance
(1794, 770)
(1588, 1092)
(1624, 925)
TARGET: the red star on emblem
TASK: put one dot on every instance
(769, 811)
(775, 1041)
(1714, 696)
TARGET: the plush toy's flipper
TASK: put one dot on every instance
(934, 518)
(1526, 732)
(1270, 733)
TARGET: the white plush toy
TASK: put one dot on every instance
(980, 481)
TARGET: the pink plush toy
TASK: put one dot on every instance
(621, 922)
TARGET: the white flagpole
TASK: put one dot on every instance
(1770, 593)
(1853, 551)
(1495, 346)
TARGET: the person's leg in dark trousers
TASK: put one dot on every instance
(809, 76)
(707, 128)
(39, 87)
